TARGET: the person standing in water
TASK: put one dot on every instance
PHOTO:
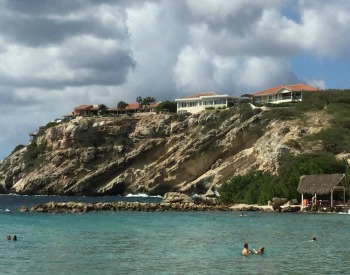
(245, 250)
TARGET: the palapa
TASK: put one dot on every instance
(321, 184)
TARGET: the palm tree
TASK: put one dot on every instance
(147, 101)
(139, 100)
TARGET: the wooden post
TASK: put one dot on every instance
(302, 200)
(332, 198)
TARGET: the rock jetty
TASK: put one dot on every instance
(172, 201)
(79, 207)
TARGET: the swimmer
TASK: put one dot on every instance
(260, 250)
(14, 238)
(245, 250)
(313, 238)
(8, 237)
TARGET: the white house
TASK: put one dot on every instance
(282, 94)
(199, 102)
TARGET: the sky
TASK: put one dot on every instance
(59, 54)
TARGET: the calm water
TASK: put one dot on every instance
(170, 242)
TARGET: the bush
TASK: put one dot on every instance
(33, 154)
(293, 167)
(254, 187)
(17, 148)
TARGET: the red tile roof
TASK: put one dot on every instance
(83, 107)
(294, 87)
(133, 106)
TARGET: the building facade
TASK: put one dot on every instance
(282, 94)
(199, 102)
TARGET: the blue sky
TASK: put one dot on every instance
(56, 55)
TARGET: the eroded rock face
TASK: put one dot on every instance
(148, 153)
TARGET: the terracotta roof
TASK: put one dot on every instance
(133, 106)
(294, 87)
(319, 184)
(201, 94)
(83, 107)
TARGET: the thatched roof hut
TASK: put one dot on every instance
(323, 184)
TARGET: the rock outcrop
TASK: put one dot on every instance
(150, 153)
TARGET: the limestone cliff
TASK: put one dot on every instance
(149, 153)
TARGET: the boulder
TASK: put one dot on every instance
(175, 197)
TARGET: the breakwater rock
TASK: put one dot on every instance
(78, 207)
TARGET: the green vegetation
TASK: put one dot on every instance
(218, 117)
(254, 187)
(145, 102)
(33, 155)
(180, 117)
(17, 148)
(42, 129)
(259, 187)
(102, 109)
(122, 105)
(168, 106)
(293, 167)
(336, 138)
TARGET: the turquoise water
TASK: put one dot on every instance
(173, 243)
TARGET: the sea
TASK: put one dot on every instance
(168, 242)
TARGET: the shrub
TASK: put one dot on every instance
(17, 148)
(254, 187)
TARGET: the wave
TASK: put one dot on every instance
(141, 195)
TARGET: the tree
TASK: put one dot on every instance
(139, 101)
(167, 105)
(293, 167)
(122, 105)
(147, 101)
(102, 109)
(254, 187)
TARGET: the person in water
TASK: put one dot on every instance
(260, 250)
(8, 237)
(314, 238)
(245, 250)
(14, 238)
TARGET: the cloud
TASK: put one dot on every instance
(55, 55)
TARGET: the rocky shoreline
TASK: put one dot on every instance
(172, 201)
(79, 207)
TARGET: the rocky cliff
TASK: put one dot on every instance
(150, 153)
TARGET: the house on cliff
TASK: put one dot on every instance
(201, 101)
(283, 94)
(93, 110)
(83, 110)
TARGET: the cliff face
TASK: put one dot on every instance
(150, 153)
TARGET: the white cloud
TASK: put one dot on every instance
(55, 57)
(260, 73)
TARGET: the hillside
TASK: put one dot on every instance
(153, 153)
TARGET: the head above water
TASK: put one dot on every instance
(245, 245)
